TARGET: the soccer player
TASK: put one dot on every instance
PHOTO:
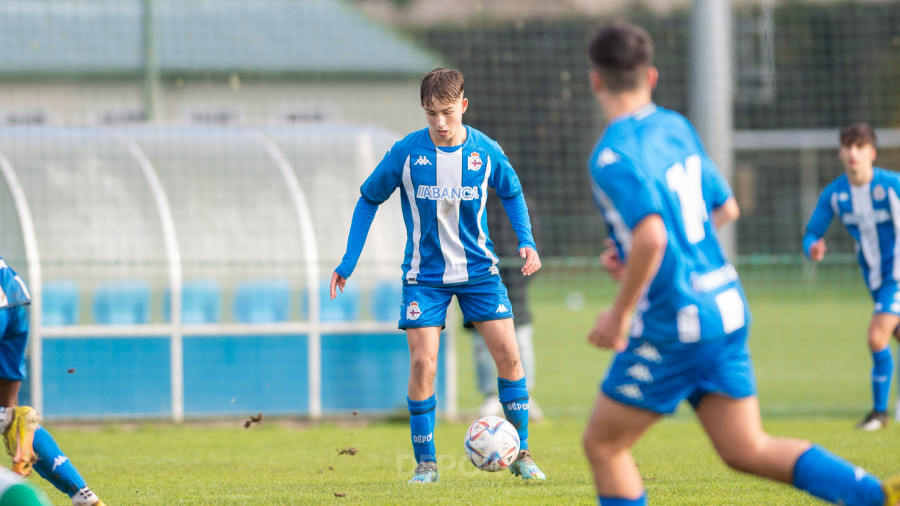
(443, 173)
(27, 442)
(865, 198)
(663, 199)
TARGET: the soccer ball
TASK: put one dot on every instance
(492, 443)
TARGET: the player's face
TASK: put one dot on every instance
(445, 122)
(857, 160)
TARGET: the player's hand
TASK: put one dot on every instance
(611, 261)
(337, 281)
(817, 250)
(532, 261)
(609, 331)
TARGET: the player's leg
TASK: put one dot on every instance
(423, 314)
(499, 336)
(612, 430)
(26, 441)
(424, 344)
(735, 429)
(879, 335)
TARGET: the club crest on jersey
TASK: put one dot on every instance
(878, 192)
(475, 162)
(412, 311)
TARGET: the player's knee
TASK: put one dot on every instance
(423, 366)
(595, 446)
(743, 458)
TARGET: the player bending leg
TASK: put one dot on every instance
(443, 173)
(867, 200)
(27, 442)
(663, 200)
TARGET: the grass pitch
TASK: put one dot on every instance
(812, 368)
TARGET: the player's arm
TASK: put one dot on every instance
(363, 216)
(726, 213)
(648, 246)
(813, 240)
(517, 211)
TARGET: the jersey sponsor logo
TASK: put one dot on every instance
(714, 279)
(502, 309)
(631, 391)
(412, 311)
(878, 192)
(447, 193)
(422, 160)
(475, 162)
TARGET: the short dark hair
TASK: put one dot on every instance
(857, 134)
(445, 85)
(621, 52)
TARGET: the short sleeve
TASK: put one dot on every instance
(632, 195)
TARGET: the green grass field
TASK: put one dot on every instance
(812, 368)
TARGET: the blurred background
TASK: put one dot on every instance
(178, 178)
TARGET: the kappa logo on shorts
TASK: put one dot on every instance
(631, 391)
(412, 311)
(640, 372)
(648, 352)
(502, 309)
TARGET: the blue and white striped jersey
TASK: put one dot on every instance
(652, 162)
(12, 288)
(871, 213)
(443, 197)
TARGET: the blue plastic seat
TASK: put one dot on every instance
(122, 302)
(201, 302)
(262, 301)
(60, 303)
(387, 295)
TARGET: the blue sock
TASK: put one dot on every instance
(421, 427)
(514, 397)
(618, 501)
(835, 480)
(54, 466)
(882, 370)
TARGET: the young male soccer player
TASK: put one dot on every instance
(443, 173)
(866, 200)
(27, 442)
(663, 199)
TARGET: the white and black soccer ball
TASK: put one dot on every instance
(492, 443)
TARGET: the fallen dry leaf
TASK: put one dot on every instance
(350, 450)
(340, 494)
(252, 420)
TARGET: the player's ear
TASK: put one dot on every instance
(465, 104)
(652, 76)
(596, 80)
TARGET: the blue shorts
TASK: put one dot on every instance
(887, 299)
(657, 377)
(426, 306)
(14, 325)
